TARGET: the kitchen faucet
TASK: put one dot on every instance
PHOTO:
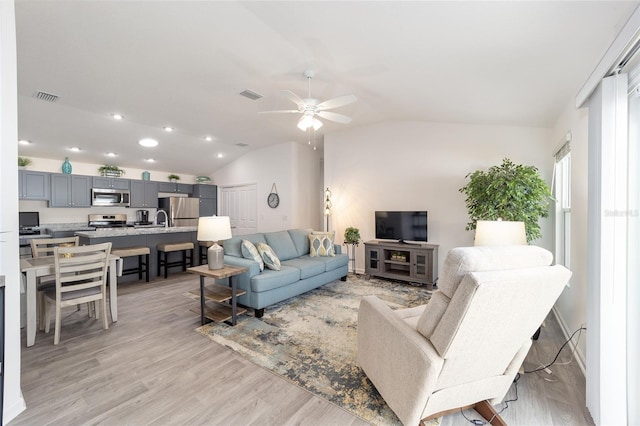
(166, 219)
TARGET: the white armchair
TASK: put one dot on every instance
(464, 348)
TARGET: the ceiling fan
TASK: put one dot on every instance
(311, 108)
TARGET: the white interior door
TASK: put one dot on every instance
(239, 203)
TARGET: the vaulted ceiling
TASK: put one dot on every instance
(183, 64)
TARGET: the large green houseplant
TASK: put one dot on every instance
(509, 192)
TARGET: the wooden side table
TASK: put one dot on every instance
(218, 294)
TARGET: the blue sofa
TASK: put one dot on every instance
(299, 272)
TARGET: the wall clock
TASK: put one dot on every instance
(273, 200)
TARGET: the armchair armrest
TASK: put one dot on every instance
(401, 363)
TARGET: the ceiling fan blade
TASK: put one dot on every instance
(280, 111)
(332, 116)
(336, 102)
(294, 98)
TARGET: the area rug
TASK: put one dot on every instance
(310, 340)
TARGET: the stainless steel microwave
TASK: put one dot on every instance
(110, 197)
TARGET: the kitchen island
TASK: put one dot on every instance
(142, 236)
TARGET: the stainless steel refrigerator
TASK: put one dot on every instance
(181, 211)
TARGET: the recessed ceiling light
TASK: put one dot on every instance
(24, 142)
(150, 160)
(220, 155)
(110, 154)
(168, 128)
(208, 138)
(75, 149)
(117, 116)
(148, 142)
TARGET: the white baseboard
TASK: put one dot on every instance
(579, 356)
(12, 410)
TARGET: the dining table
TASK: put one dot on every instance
(33, 268)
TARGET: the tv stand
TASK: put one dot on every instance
(412, 262)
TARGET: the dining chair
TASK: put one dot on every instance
(42, 247)
(80, 277)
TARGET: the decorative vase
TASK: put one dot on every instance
(173, 180)
(66, 166)
(146, 175)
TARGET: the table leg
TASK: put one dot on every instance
(234, 304)
(32, 300)
(202, 299)
(113, 289)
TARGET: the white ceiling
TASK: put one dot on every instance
(183, 64)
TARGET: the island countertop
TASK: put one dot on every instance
(128, 232)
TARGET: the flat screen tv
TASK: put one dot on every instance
(402, 226)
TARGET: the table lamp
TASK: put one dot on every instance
(500, 233)
(214, 228)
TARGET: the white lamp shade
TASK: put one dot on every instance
(214, 228)
(500, 233)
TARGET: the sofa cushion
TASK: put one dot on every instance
(249, 251)
(308, 267)
(282, 244)
(233, 246)
(321, 244)
(300, 238)
(268, 280)
(269, 257)
(330, 263)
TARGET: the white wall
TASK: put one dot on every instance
(294, 168)
(421, 166)
(9, 263)
(572, 304)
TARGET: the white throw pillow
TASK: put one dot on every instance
(269, 257)
(249, 251)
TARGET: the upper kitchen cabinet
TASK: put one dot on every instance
(205, 191)
(110, 183)
(70, 190)
(176, 188)
(144, 194)
(33, 185)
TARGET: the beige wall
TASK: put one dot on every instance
(421, 166)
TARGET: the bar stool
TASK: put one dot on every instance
(203, 246)
(163, 256)
(135, 251)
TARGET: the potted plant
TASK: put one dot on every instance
(23, 162)
(110, 170)
(173, 178)
(509, 192)
(351, 235)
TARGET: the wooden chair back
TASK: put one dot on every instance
(41, 247)
(80, 269)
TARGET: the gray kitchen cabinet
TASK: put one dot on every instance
(33, 185)
(205, 191)
(144, 194)
(110, 183)
(70, 190)
(208, 199)
(208, 207)
(176, 188)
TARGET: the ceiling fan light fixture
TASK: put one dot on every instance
(309, 121)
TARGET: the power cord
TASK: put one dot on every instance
(559, 351)
(479, 422)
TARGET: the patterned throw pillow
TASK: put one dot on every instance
(321, 244)
(249, 251)
(269, 257)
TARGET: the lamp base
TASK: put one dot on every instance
(215, 255)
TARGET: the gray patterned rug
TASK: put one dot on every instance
(311, 341)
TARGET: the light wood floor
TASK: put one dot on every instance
(152, 368)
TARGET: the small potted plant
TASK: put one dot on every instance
(352, 235)
(109, 170)
(23, 162)
(173, 178)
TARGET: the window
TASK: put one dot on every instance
(562, 191)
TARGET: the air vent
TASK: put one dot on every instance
(44, 96)
(250, 94)
(242, 144)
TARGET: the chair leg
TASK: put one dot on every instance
(105, 323)
(46, 316)
(184, 260)
(146, 266)
(56, 338)
(166, 266)
(95, 309)
(158, 274)
(139, 266)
